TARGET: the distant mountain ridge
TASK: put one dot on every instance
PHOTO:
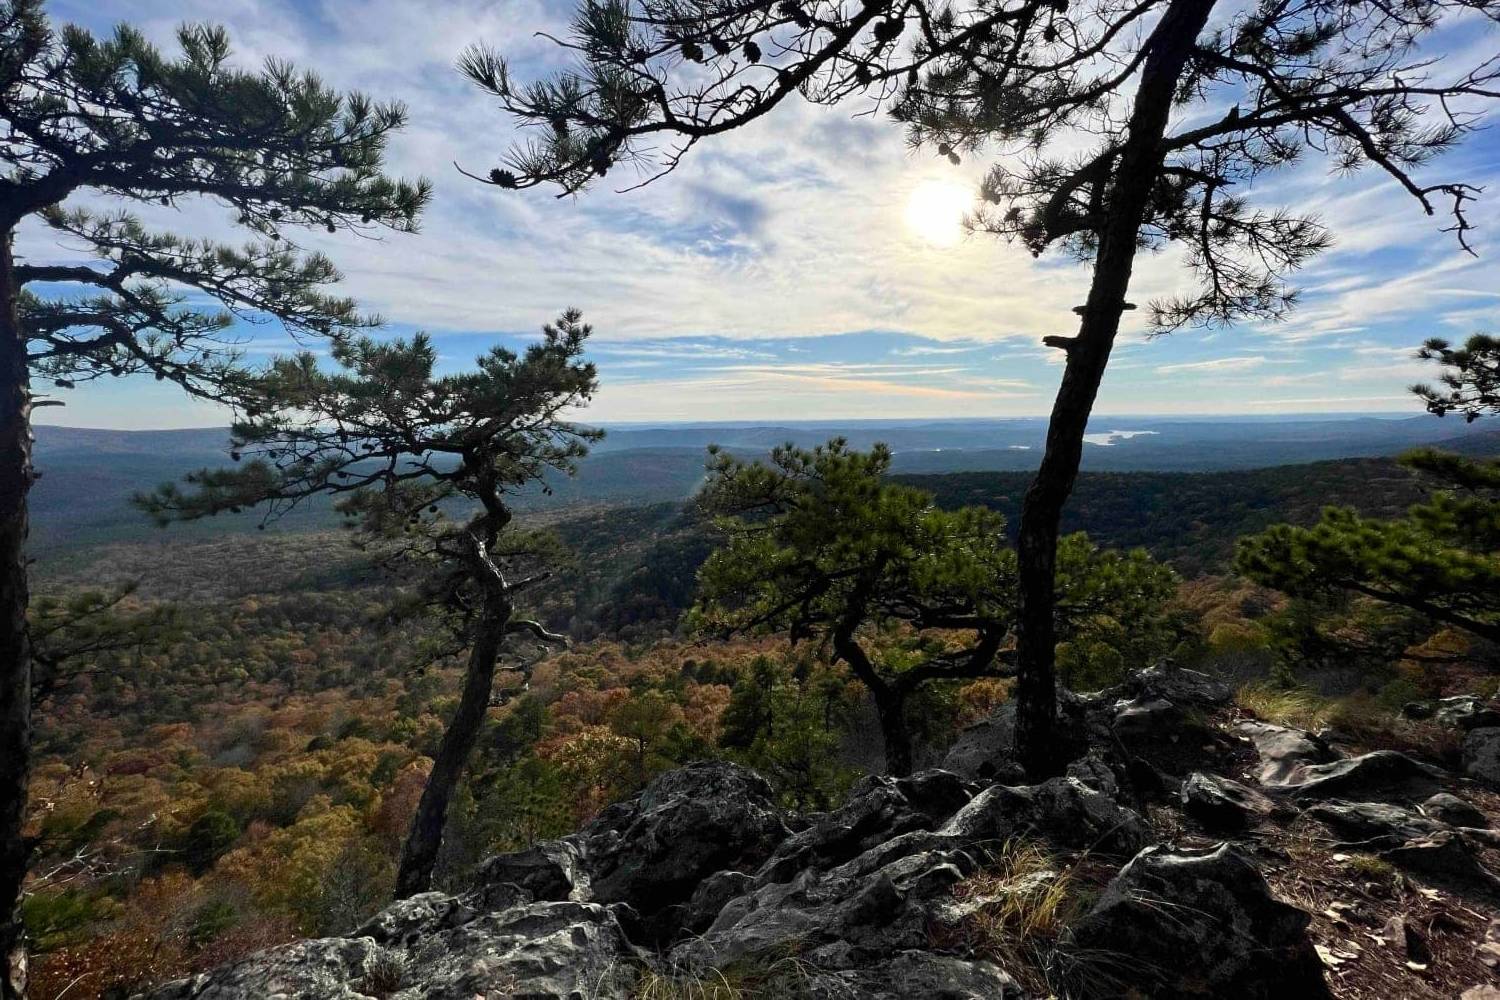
(89, 475)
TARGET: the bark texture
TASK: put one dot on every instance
(420, 852)
(15, 655)
(1134, 176)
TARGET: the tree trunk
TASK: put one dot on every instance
(419, 853)
(1131, 183)
(15, 653)
(890, 705)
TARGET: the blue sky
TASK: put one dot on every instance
(808, 267)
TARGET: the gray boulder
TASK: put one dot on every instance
(1382, 775)
(1446, 859)
(848, 917)
(446, 950)
(1178, 686)
(1194, 925)
(684, 826)
(1448, 808)
(1146, 718)
(1284, 751)
(1481, 754)
(986, 751)
(1464, 711)
(1065, 812)
(1374, 824)
(1221, 804)
(878, 809)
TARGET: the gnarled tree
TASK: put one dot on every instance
(401, 446)
(1168, 106)
(902, 592)
(115, 118)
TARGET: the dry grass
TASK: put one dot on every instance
(1370, 867)
(385, 973)
(1026, 896)
(781, 979)
(1284, 706)
(1018, 906)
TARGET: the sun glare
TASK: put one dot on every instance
(935, 211)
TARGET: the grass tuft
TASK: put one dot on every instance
(1284, 706)
(782, 979)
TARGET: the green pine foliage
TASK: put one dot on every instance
(1442, 560)
(819, 546)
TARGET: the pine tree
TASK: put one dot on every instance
(901, 592)
(1443, 559)
(116, 118)
(1178, 105)
(424, 463)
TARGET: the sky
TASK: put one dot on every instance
(809, 266)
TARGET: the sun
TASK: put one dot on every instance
(935, 211)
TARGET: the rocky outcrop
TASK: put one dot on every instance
(1481, 754)
(441, 948)
(1185, 688)
(1382, 775)
(895, 894)
(1063, 812)
(1221, 804)
(1465, 712)
(1373, 824)
(1454, 811)
(1187, 925)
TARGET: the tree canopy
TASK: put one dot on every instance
(1114, 127)
(1441, 560)
(118, 121)
(405, 448)
(904, 593)
(117, 117)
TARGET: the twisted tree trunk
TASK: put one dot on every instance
(15, 654)
(420, 852)
(1131, 183)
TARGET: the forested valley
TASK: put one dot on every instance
(404, 674)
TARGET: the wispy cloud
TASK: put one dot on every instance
(789, 240)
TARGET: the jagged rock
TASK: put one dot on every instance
(530, 951)
(1382, 775)
(553, 869)
(986, 751)
(878, 809)
(1481, 754)
(918, 975)
(1284, 751)
(710, 896)
(1373, 823)
(1146, 717)
(1098, 771)
(1445, 858)
(1178, 686)
(1465, 711)
(1448, 808)
(1197, 925)
(847, 917)
(684, 826)
(1222, 804)
(1063, 811)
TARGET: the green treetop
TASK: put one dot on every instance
(903, 593)
(1443, 558)
(405, 448)
(117, 122)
